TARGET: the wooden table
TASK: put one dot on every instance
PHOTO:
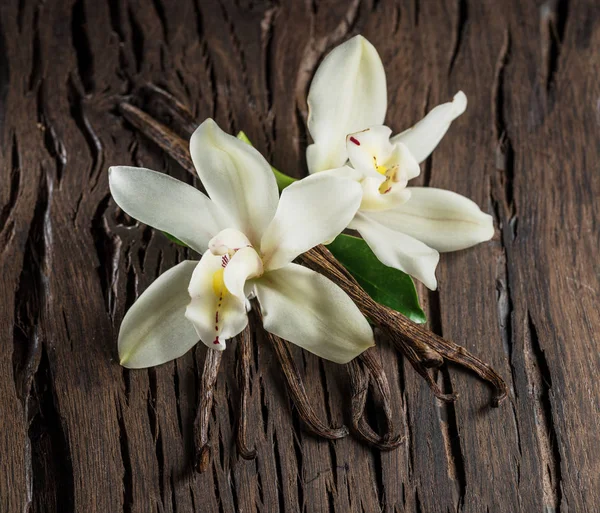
(81, 434)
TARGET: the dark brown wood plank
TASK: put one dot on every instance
(79, 433)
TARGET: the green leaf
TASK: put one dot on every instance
(174, 239)
(282, 179)
(387, 286)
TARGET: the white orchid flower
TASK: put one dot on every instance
(405, 227)
(249, 237)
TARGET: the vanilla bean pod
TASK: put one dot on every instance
(296, 389)
(163, 105)
(245, 341)
(359, 380)
(176, 147)
(422, 348)
(205, 401)
(298, 393)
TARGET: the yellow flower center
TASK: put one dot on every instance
(218, 283)
(390, 176)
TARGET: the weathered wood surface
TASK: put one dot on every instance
(79, 433)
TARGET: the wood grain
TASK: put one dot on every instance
(81, 434)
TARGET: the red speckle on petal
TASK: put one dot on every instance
(216, 341)
(355, 141)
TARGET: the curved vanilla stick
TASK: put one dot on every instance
(245, 357)
(360, 380)
(205, 401)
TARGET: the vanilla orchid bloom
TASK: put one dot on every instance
(405, 227)
(249, 237)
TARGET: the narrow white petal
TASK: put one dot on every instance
(307, 309)
(443, 220)
(155, 329)
(397, 250)
(245, 264)
(311, 211)
(347, 94)
(236, 177)
(166, 204)
(216, 314)
(423, 137)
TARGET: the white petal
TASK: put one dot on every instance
(236, 177)
(307, 309)
(311, 211)
(373, 200)
(370, 147)
(227, 240)
(165, 203)
(343, 172)
(423, 137)
(216, 314)
(397, 250)
(155, 329)
(245, 264)
(443, 220)
(347, 94)
(408, 167)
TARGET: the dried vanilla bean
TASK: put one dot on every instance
(205, 401)
(359, 380)
(420, 346)
(163, 105)
(298, 392)
(174, 146)
(245, 342)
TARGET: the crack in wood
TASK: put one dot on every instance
(15, 182)
(29, 301)
(505, 156)
(505, 215)
(137, 39)
(108, 252)
(127, 467)
(35, 75)
(81, 45)
(53, 479)
(94, 144)
(540, 389)
(4, 78)
(267, 26)
(553, 22)
(52, 142)
(461, 22)
(446, 413)
(160, 12)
